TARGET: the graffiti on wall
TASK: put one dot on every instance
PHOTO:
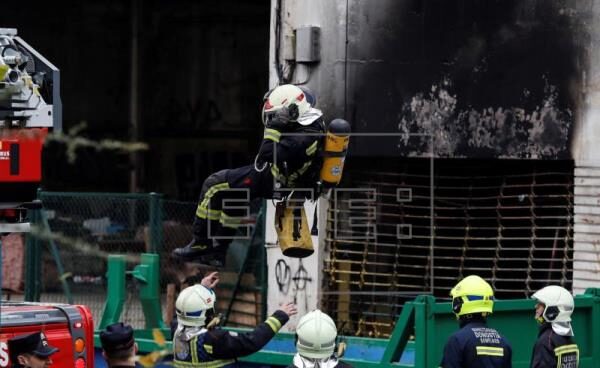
(292, 282)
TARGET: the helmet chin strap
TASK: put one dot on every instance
(540, 320)
(300, 361)
(562, 328)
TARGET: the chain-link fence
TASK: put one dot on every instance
(76, 232)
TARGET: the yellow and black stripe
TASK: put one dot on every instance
(490, 351)
(196, 363)
(312, 148)
(564, 350)
(274, 323)
(272, 135)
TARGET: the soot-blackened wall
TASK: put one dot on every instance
(488, 78)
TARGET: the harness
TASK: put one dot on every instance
(287, 179)
(193, 353)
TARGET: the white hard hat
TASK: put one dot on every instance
(559, 306)
(316, 335)
(193, 304)
(285, 96)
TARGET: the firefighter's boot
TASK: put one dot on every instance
(200, 246)
(193, 250)
(198, 252)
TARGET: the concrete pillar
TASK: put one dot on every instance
(586, 255)
(586, 153)
(327, 79)
(293, 279)
(328, 76)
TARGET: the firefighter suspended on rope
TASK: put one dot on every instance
(291, 156)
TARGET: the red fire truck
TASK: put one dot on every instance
(29, 107)
(68, 327)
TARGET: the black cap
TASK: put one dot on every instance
(117, 336)
(35, 343)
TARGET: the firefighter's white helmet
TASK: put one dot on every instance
(193, 304)
(287, 96)
(558, 301)
(316, 334)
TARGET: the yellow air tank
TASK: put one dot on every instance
(334, 152)
(293, 231)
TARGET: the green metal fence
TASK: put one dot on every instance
(74, 234)
(432, 323)
(423, 328)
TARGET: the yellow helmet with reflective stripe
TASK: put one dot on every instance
(472, 295)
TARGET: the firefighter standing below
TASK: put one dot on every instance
(475, 344)
(316, 336)
(118, 345)
(288, 158)
(30, 351)
(197, 343)
(555, 346)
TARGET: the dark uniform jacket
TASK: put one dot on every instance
(294, 153)
(476, 345)
(554, 350)
(219, 348)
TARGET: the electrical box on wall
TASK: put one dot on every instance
(308, 44)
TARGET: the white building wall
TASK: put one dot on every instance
(285, 283)
(293, 279)
(586, 153)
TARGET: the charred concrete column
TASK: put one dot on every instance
(295, 280)
(291, 279)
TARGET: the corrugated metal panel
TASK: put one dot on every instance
(511, 222)
(586, 258)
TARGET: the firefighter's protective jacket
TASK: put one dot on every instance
(215, 348)
(289, 158)
(554, 350)
(476, 345)
(293, 153)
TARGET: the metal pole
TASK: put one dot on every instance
(59, 266)
(115, 298)
(33, 263)
(243, 266)
(134, 98)
(148, 273)
(155, 223)
(264, 289)
(432, 213)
